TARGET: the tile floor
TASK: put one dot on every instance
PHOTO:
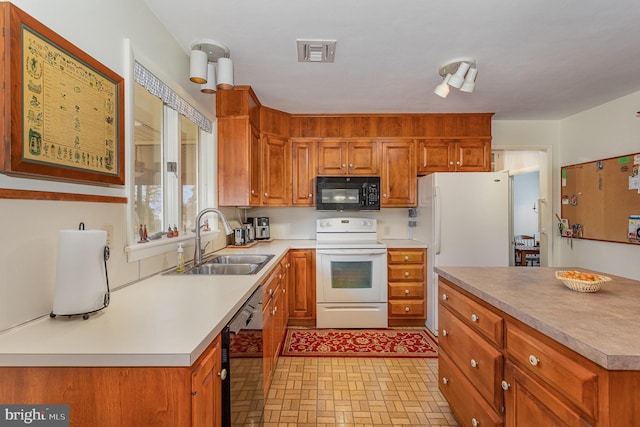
(356, 392)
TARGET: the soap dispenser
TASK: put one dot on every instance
(180, 265)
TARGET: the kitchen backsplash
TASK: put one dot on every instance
(300, 223)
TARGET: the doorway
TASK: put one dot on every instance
(529, 184)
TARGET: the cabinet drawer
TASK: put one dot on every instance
(412, 272)
(476, 358)
(407, 308)
(406, 255)
(477, 316)
(567, 375)
(464, 400)
(269, 285)
(406, 290)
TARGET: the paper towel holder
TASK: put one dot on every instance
(107, 296)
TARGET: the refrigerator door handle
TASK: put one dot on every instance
(436, 214)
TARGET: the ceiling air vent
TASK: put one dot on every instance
(316, 50)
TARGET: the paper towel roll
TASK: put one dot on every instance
(80, 274)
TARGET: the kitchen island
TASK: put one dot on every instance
(520, 348)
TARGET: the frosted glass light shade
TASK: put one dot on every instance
(198, 66)
(442, 89)
(225, 73)
(210, 85)
(469, 81)
(458, 78)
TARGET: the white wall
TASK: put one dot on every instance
(608, 130)
(28, 252)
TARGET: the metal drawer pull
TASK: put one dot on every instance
(445, 380)
(406, 257)
(406, 309)
(445, 333)
(445, 297)
(270, 291)
(406, 291)
(474, 422)
(505, 385)
(474, 364)
(406, 274)
(223, 374)
(534, 360)
(474, 318)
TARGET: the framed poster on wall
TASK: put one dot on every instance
(63, 111)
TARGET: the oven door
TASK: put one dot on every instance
(351, 275)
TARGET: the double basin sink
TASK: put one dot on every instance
(234, 264)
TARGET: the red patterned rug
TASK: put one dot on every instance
(360, 342)
(247, 343)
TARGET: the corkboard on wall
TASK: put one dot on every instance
(603, 197)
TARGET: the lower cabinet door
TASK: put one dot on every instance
(206, 388)
(529, 403)
(467, 404)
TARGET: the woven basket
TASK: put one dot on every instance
(582, 285)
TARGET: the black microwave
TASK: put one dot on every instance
(348, 193)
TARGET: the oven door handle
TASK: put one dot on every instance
(351, 251)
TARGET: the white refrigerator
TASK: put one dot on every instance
(464, 218)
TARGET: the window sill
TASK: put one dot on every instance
(140, 251)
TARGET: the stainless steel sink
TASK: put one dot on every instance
(232, 264)
(239, 259)
(229, 269)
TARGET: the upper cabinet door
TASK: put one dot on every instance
(276, 182)
(303, 166)
(362, 158)
(398, 178)
(332, 158)
(473, 155)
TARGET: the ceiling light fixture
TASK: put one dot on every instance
(204, 55)
(210, 85)
(459, 73)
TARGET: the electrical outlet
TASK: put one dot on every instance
(109, 229)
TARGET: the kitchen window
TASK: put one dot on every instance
(172, 150)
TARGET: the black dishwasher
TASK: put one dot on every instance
(243, 390)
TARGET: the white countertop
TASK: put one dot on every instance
(160, 321)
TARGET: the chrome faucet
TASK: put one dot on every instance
(197, 256)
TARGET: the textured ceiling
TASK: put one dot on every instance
(537, 59)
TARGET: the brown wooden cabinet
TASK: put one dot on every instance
(274, 317)
(398, 174)
(302, 294)
(341, 157)
(407, 277)
(276, 171)
(303, 167)
(489, 361)
(239, 154)
(206, 388)
(125, 396)
(527, 400)
(454, 155)
(471, 356)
